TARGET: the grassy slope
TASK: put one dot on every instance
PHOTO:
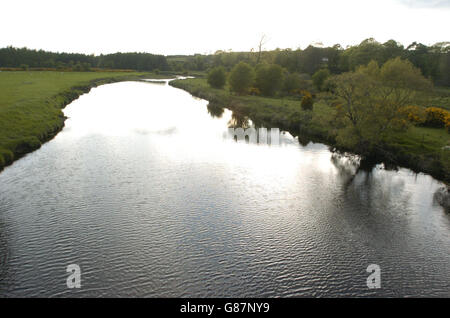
(440, 98)
(31, 102)
(419, 148)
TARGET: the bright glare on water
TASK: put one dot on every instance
(144, 193)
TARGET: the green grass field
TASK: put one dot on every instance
(419, 148)
(31, 102)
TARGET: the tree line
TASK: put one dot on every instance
(24, 58)
(433, 61)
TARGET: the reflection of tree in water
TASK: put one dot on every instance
(365, 185)
(347, 166)
(239, 120)
(215, 110)
(303, 140)
(442, 197)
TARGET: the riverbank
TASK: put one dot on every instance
(419, 149)
(31, 105)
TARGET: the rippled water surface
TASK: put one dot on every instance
(143, 192)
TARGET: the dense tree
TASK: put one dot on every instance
(14, 57)
(391, 49)
(269, 78)
(217, 77)
(292, 83)
(320, 77)
(241, 78)
(362, 54)
(370, 101)
(444, 70)
(423, 57)
(403, 75)
(433, 61)
(312, 59)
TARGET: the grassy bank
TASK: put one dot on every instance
(31, 105)
(420, 149)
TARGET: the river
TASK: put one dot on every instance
(142, 191)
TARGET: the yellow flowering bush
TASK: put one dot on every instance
(307, 101)
(436, 117)
(414, 114)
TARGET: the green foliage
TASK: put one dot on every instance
(15, 57)
(371, 69)
(401, 73)
(319, 78)
(372, 101)
(307, 101)
(85, 67)
(292, 82)
(433, 61)
(217, 77)
(269, 78)
(78, 67)
(295, 83)
(241, 78)
(362, 54)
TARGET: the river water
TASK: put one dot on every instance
(142, 191)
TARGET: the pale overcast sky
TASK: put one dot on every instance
(204, 26)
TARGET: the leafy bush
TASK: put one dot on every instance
(307, 101)
(77, 67)
(291, 83)
(320, 77)
(436, 117)
(403, 74)
(269, 78)
(241, 78)
(217, 77)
